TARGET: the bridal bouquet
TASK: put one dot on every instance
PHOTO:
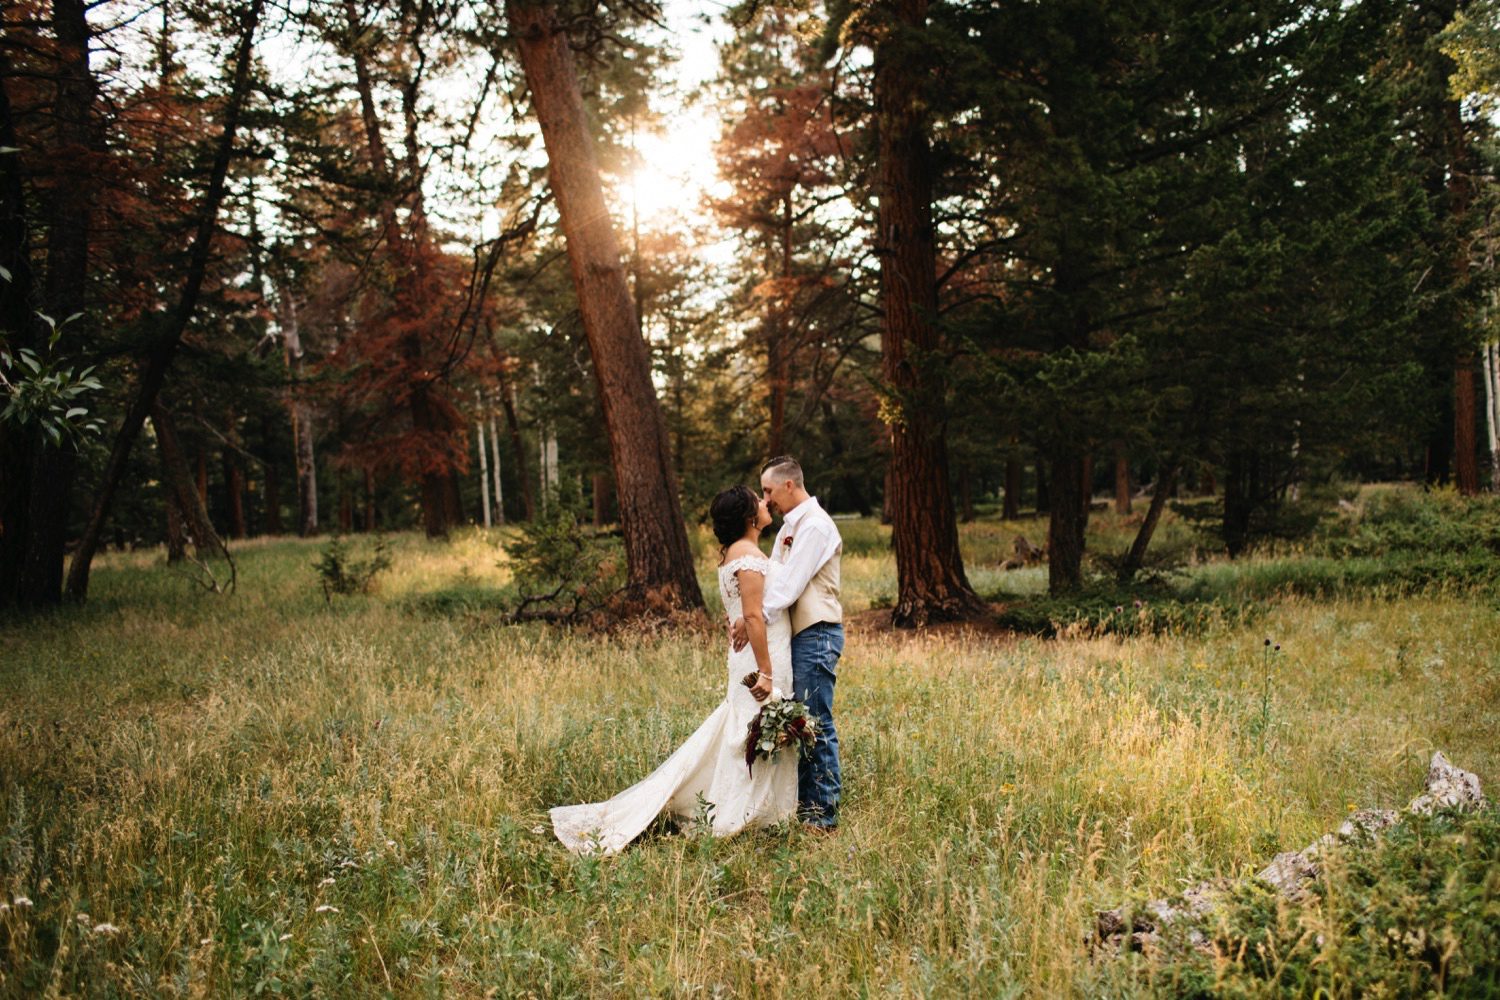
(781, 722)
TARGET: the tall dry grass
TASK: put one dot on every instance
(208, 796)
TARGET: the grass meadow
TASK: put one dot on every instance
(262, 793)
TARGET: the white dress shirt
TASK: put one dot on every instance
(815, 538)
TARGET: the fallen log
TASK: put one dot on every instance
(1290, 873)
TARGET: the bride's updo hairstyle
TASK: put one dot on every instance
(732, 510)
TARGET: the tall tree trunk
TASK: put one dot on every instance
(484, 470)
(1241, 489)
(604, 488)
(1066, 524)
(1492, 410)
(1465, 428)
(301, 413)
(234, 491)
(659, 561)
(176, 531)
(200, 462)
(1122, 481)
(1071, 482)
(929, 567)
(271, 524)
(180, 487)
(67, 211)
(453, 500)
(234, 479)
(1043, 494)
(495, 471)
(1166, 480)
(1087, 486)
(155, 370)
(1012, 511)
(17, 319)
(517, 446)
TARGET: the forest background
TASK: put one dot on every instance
(337, 266)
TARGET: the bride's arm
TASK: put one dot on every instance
(752, 590)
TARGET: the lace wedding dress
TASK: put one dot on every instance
(711, 763)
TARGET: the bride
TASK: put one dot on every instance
(711, 764)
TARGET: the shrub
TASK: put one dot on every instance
(1415, 522)
(564, 569)
(1414, 912)
(341, 574)
(1109, 612)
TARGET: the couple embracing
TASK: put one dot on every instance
(786, 625)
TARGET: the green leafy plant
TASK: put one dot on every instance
(340, 573)
(1413, 912)
(563, 568)
(43, 391)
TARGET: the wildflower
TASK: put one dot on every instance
(1350, 806)
(1268, 640)
(326, 882)
(107, 929)
(205, 942)
(1007, 789)
(390, 843)
(1276, 648)
(1118, 609)
(327, 908)
(22, 903)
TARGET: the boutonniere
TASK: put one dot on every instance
(786, 542)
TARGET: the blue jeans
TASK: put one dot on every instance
(815, 658)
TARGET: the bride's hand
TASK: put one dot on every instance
(739, 635)
(762, 689)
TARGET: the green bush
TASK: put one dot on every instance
(341, 574)
(562, 567)
(1413, 912)
(1406, 520)
(1110, 612)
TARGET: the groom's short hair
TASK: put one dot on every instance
(786, 468)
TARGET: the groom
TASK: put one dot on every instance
(808, 546)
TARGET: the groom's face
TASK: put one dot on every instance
(777, 493)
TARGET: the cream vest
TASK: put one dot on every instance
(820, 601)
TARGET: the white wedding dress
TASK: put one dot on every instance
(711, 763)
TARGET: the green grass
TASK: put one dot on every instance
(264, 794)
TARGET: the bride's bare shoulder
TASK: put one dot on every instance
(740, 549)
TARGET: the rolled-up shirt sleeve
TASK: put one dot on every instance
(810, 550)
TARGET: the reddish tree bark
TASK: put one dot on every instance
(929, 567)
(659, 561)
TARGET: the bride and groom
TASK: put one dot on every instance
(786, 625)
